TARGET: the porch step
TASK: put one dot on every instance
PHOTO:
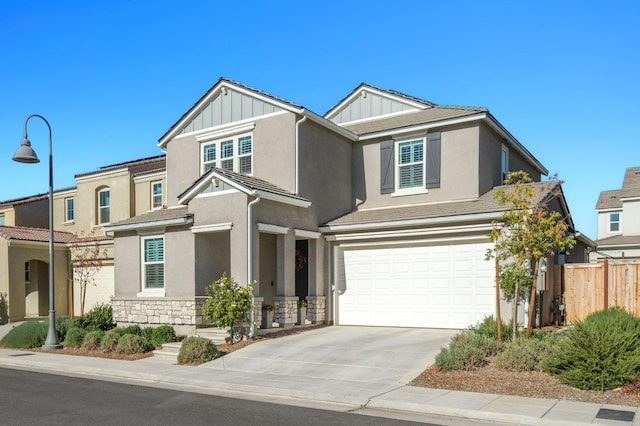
(213, 333)
(168, 350)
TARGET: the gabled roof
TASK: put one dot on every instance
(612, 199)
(138, 166)
(485, 207)
(224, 84)
(157, 218)
(34, 234)
(248, 184)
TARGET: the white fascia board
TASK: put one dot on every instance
(610, 210)
(216, 227)
(268, 228)
(364, 87)
(634, 198)
(205, 182)
(143, 225)
(214, 91)
(281, 199)
(303, 233)
(483, 230)
(424, 126)
(409, 223)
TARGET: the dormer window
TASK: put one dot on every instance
(232, 153)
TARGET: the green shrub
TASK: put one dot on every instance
(29, 334)
(163, 334)
(131, 329)
(525, 355)
(132, 344)
(63, 323)
(109, 341)
(100, 317)
(75, 337)
(227, 301)
(489, 327)
(197, 350)
(92, 340)
(147, 333)
(601, 352)
(466, 351)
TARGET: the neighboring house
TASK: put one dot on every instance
(112, 193)
(619, 219)
(376, 214)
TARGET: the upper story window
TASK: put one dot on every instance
(156, 195)
(153, 263)
(410, 164)
(69, 212)
(504, 163)
(614, 222)
(232, 153)
(104, 206)
(1, 219)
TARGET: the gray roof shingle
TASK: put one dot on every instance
(619, 240)
(612, 199)
(156, 216)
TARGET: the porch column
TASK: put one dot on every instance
(286, 309)
(316, 301)
(238, 254)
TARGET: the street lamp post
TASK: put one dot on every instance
(26, 154)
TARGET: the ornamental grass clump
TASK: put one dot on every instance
(109, 341)
(74, 337)
(92, 340)
(197, 350)
(601, 352)
(467, 351)
(526, 355)
(133, 344)
(489, 327)
(29, 334)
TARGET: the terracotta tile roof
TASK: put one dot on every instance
(486, 203)
(612, 199)
(429, 115)
(23, 200)
(136, 166)
(34, 234)
(156, 216)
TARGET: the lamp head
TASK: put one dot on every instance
(26, 154)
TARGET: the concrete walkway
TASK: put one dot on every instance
(340, 368)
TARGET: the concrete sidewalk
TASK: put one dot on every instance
(322, 392)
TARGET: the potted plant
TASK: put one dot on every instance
(302, 311)
(267, 315)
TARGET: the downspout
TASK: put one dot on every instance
(252, 328)
(297, 153)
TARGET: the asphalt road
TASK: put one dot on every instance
(29, 398)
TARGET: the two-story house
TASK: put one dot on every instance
(376, 213)
(111, 193)
(618, 219)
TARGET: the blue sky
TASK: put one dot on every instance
(112, 77)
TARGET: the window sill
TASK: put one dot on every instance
(69, 223)
(409, 191)
(151, 293)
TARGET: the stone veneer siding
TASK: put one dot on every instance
(286, 311)
(316, 309)
(157, 311)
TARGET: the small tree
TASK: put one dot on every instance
(227, 302)
(87, 258)
(528, 231)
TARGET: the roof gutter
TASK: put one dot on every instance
(252, 328)
(297, 153)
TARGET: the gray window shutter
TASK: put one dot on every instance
(387, 167)
(433, 160)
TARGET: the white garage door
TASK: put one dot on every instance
(100, 291)
(446, 286)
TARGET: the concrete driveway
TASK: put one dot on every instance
(346, 360)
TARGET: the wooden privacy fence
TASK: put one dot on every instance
(596, 286)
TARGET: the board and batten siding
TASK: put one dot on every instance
(371, 105)
(229, 108)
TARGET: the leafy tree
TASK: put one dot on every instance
(528, 231)
(87, 258)
(227, 302)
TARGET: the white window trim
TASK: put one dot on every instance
(66, 209)
(421, 189)
(619, 222)
(154, 182)
(236, 151)
(144, 291)
(504, 171)
(100, 207)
